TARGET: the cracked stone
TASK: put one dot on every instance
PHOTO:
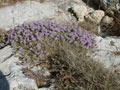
(95, 17)
(5, 53)
(81, 11)
(106, 53)
(27, 11)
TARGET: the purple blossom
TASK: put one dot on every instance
(30, 32)
(39, 38)
(76, 43)
(33, 38)
(38, 46)
(37, 53)
(30, 48)
(19, 49)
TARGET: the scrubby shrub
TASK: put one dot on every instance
(27, 38)
(62, 50)
(73, 70)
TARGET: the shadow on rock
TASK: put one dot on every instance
(4, 85)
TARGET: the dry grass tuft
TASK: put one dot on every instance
(40, 79)
(90, 27)
(2, 32)
(41, 1)
(4, 3)
(73, 70)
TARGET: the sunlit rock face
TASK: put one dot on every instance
(107, 52)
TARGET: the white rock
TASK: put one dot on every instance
(107, 20)
(15, 79)
(27, 11)
(30, 11)
(95, 17)
(105, 52)
(5, 53)
(90, 10)
(81, 11)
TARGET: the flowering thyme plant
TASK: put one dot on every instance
(29, 36)
(60, 49)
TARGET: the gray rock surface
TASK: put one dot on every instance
(13, 72)
(4, 54)
(27, 11)
(11, 75)
(81, 11)
(106, 26)
(30, 11)
(107, 20)
(95, 17)
(107, 52)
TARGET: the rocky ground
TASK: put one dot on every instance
(107, 49)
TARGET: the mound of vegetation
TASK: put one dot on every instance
(28, 38)
(73, 70)
(62, 50)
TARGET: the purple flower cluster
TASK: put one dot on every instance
(30, 34)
